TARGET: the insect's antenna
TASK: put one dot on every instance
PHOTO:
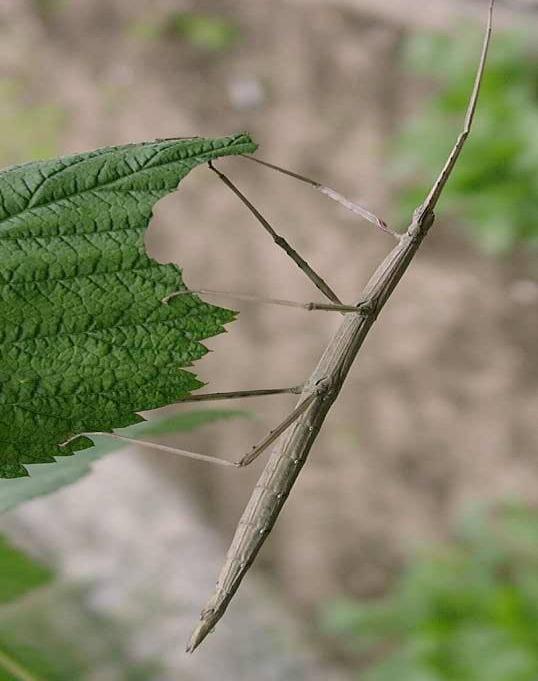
(332, 194)
(280, 241)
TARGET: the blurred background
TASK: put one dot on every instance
(409, 547)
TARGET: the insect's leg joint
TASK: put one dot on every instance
(323, 386)
(369, 308)
(423, 218)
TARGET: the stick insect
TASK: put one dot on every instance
(298, 431)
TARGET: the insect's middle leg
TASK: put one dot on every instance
(327, 307)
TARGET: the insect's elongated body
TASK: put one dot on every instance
(292, 451)
(289, 457)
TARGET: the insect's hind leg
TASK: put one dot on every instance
(248, 458)
(277, 432)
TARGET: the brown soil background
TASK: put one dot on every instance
(439, 413)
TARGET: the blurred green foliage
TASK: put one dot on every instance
(46, 7)
(19, 573)
(463, 611)
(29, 129)
(494, 190)
(207, 32)
(52, 633)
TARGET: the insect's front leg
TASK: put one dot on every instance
(353, 206)
(327, 307)
(280, 241)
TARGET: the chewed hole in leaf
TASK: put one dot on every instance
(85, 339)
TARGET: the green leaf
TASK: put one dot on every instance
(85, 340)
(47, 478)
(20, 574)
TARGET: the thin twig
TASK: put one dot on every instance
(332, 194)
(280, 241)
(293, 448)
(327, 307)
